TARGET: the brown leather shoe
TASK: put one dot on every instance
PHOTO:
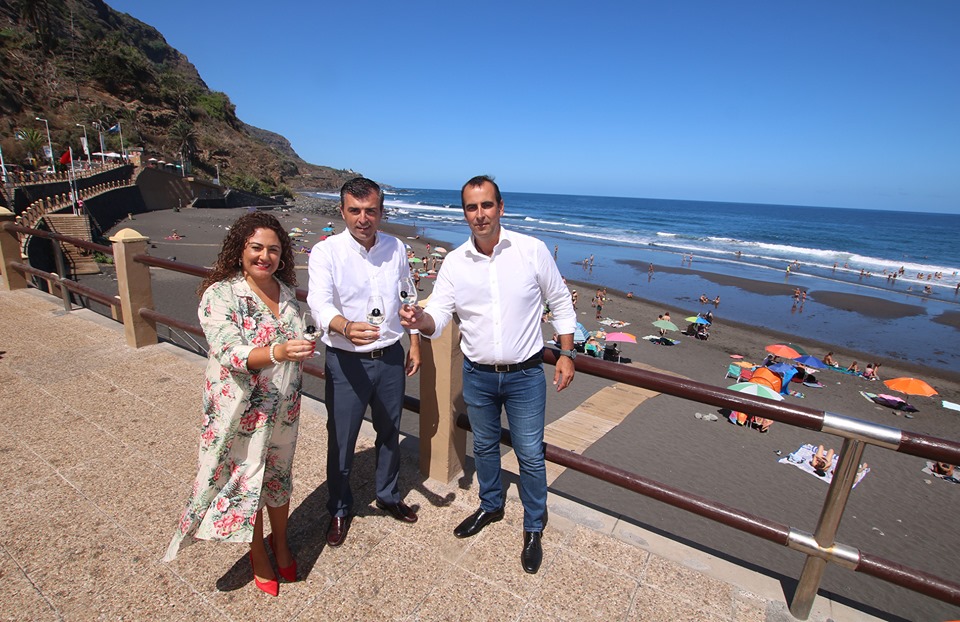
(399, 510)
(337, 531)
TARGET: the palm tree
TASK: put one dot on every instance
(184, 137)
(36, 13)
(33, 142)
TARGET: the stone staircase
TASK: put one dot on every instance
(80, 260)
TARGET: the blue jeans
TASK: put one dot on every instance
(523, 394)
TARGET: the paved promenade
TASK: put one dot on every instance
(99, 454)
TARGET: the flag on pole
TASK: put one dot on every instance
(114, 129)
(86, 147)
(65, 158)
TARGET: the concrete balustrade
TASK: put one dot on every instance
(9, 252)
(136, 291)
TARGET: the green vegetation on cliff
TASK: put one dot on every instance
(80, 62)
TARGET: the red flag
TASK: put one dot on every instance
(65, 158)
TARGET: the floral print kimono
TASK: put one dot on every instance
(250, 418)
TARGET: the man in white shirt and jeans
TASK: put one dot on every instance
(353, 296)
(496, 282)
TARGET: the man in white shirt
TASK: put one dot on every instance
(353, 296)
(496, 282)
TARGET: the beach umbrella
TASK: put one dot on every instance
(799, 349)
(665, 325)
(752, 388)
(580, 332)
(779, 349)
(415, 260)
(811, 361)
(911, 386)
(626, 337)
(697, 320)
(440, 249)
(328, 229)
(436, 255)
(780, 368)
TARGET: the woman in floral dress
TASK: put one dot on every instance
(251, 398)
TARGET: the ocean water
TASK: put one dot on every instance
(829, 249)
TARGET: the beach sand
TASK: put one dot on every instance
(895, 512)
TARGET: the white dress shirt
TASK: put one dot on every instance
(343, 274)
(499, 299)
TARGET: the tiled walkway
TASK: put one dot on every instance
(99, 453)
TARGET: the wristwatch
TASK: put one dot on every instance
(571, 353)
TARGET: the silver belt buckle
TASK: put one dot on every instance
(501, 368)
(376, 354)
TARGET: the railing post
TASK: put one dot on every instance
(844, 478)
(9, 252)
(442, 444)
(136, 292)
(62, 275)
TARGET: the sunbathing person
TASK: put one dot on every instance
(868, 372)
(944, 469)
(829, 360)
(822, 461)
(854, 368)
(763, 424)
(593, 347)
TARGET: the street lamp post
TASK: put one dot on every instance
(86, 144)
(99, 127)
(53, 158)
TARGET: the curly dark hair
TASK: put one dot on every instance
(228, 261)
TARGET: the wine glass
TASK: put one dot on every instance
(310, 331)
(407, 288)
(375, 314)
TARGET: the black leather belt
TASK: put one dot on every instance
(371, 354)
(501, 368)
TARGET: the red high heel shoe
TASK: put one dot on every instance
(271, 587)
(290, 572)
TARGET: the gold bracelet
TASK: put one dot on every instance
(273, 358)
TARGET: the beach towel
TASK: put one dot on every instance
(612, 322)
(950, 405)
(657, 340)
(801, 459)
(816, 385)
(947, 478)
(890, 401)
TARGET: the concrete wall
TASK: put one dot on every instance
(24, 196)
(111, 207)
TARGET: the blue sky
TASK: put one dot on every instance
(813, 102)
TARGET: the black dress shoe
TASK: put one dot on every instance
(477, 521)
(532, 552)
(337, 531)
(399, 510)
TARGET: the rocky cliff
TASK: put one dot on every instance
(80, 62)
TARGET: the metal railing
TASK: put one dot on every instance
(820, 546)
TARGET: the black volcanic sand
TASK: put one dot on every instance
(896, 512)
(949, 318)
(867, 305)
